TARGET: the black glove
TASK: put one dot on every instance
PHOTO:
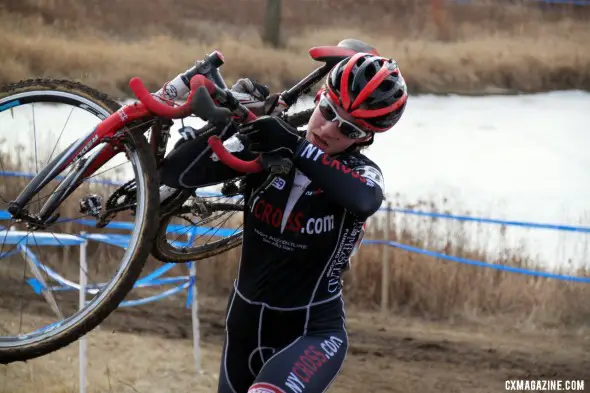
(271, 135)
(249, 86)
(255, 96)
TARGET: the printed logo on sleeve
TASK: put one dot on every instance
(279, 183)
(372, 175)
(311, 152)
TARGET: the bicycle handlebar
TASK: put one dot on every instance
(203, 91)
(200, 103)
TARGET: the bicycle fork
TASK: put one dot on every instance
(83, 168)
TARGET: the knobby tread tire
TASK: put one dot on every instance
(60, 85)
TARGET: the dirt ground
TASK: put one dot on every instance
(148, 349)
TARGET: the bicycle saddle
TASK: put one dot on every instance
(333, 54)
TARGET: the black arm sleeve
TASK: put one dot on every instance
(358, 189)
(192, 164)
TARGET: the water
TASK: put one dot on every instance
(506, 157)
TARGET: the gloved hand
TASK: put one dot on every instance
(256, 90)
(271, 135)
(255, 96)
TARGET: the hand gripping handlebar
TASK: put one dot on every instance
(200, 102)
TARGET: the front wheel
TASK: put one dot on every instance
(40, 285)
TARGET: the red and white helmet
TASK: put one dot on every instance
(371, 88)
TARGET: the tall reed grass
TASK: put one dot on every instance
(469, 49)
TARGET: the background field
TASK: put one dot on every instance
(469, 48)
(451, 327)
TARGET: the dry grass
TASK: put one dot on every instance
(435, 289)
(461, 48)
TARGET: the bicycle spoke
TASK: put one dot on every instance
(218, 228)
(47, 196)
(35, 147)
(33, 330)
(2, 170)
(60, 135)
(118, 165)
(47, 287)
(184, 232)
(105, 171)
(5, 237)
(223, 200)
(22, 289)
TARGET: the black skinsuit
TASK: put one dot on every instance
(285, 324)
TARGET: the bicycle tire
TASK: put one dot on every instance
(62, 85)
(110, 299)
(166, 252)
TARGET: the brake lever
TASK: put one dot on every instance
(203, 106)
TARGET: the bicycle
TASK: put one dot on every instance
(123, 129)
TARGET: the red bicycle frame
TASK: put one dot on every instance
(112, 130)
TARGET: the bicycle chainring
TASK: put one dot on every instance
(123, 198)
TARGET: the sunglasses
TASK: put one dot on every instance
(348, 129)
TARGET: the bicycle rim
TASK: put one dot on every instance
(52, 287)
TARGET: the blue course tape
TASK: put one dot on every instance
(511, 269)
(172, 228)
(170, 292)
(36, 285)
(156, 273)
(161, 281)
(494, 221)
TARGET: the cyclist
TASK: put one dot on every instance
(285, 321)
